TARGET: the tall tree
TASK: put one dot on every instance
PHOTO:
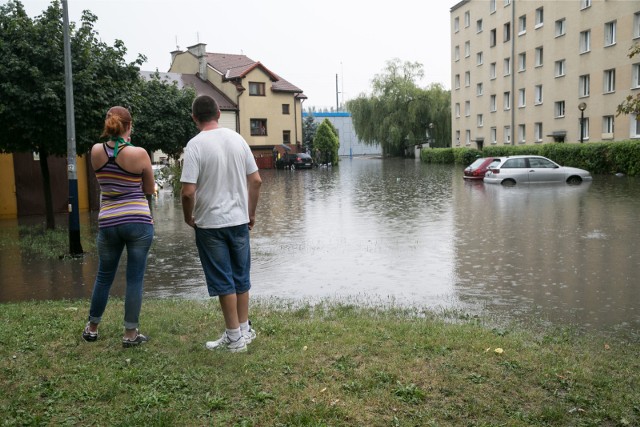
(309, 129)
(398, 113)
(327, 143)
(32, 92)
(162, 116)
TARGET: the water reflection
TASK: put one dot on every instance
(401, 232)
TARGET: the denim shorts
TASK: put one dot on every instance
(225, 255)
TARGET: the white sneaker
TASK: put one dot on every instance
(225, 343)
(249, 335)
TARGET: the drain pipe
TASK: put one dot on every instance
(513, 72)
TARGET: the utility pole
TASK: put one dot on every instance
(75, 247)
(337, 104)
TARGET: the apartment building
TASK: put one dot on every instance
(535, 71)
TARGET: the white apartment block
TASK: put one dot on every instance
(521, 70)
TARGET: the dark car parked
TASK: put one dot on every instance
(295, 161)
(477, 169)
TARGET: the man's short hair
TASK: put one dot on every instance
(205, 109)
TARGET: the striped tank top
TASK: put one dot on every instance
(122, 200)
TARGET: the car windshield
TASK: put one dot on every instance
(477, 163)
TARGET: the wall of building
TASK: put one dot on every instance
(350, 145)
(478, 121)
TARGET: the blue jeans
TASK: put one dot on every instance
(137, 238)
(225, 256)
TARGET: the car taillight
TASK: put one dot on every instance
(495, 171)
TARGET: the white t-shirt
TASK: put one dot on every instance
(218, 162)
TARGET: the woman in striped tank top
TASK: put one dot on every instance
(125, 175)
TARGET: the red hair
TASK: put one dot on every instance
(117, 121)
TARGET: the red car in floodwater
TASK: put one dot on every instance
(477, 169)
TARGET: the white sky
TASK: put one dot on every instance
(305, 42)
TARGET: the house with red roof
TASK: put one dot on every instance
(260, 105)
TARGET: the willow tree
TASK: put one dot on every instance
(398, 112)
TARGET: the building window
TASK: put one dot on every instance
(521, 134)
(467, 78)
(467, 137)
(467, 49)
(467, 108)
(537, 131)
(558, 109)
(286, 137)
(635, 76)
(507, 32)
(258, 127)
(522, 61)
(493, 135)
(538, 95)
(479, 58)
(610, 33)
(457, 110)
(636, 25)
(561, 27)
(256, 89)
(607, 124)
(539, 17)
(507, 66)
(479, 89)
(456, 53)
(522, 98)
(585, 41)
(584, 127)
(635, 126)
(480, 120)
(492, 71)
(285, 108)
(457, 137)
(456, 81)
(522, 25)
(560, 68)
(507, 100)
(583, 85)
(539, 56)
(467, 19)
(479, 26)
(507, 135)
(456, 24)
(585, 4)
(609, 80)
(507, 3)
(492, 38)
(492, 6)
(493, 105)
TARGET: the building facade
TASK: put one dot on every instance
(350, 145)
(534, 71)
(268, 109)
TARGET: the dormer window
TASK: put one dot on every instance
(256, 89)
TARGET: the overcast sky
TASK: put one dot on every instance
(305, 42)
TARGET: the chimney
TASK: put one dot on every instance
(174, 54)
(200, 51)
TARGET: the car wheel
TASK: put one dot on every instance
(508, 183)
(574, 180)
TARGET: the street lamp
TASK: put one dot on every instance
(582, 106)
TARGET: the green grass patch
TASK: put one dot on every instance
(325, 365)
(38, 241)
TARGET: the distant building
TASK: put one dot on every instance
(521, 71)
(350, 145)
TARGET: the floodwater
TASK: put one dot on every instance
(403, 233)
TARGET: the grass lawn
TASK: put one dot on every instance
(326, 365)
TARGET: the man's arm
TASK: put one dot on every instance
(188, 196)
(253, 185)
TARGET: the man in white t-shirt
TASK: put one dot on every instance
(220, 190)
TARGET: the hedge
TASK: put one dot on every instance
(598, 158)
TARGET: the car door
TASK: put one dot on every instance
(543, 170)
(515, 169)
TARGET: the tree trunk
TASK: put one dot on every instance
(46, 188)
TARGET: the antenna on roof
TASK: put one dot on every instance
(177, 47)
(198, 36)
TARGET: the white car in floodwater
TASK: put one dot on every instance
(530, 169)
